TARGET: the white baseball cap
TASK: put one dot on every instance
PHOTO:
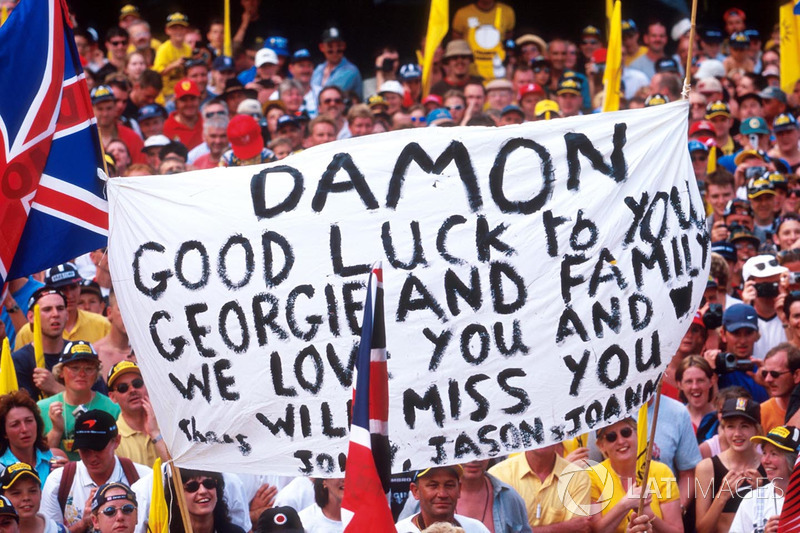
(266, 56)
(762, 266)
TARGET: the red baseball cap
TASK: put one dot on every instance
(599, 55)
(433, 99)
(531, 88)
(701, 125)
(186, 87)
(244, 134)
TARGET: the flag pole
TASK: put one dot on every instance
(650, 443)
(688, 78)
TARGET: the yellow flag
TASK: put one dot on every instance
(712, 160)
(3, 14)
(641, 446)
(612, 77)
(8, 374)
(158, 519)
(437, 29)
(227, 47)
(790, 47)
(609, 12)
(38, 347)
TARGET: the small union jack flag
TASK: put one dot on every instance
(365, 506)
(52, 205)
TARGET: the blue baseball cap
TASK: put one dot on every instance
(438, 114)
(102, 93)
(300, 55)
(754, 125)
(410, 71)
(697, 146)
(278, 44)
(724, 248)
(287, 120)
(711, 35)
(739, 316)
(151, 111)
(223, 63)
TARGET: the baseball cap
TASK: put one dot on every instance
(530, 88)
(287, 120)
(725, 249)
(717, 109)
(741, 233)
(41, 292)
(667, 64)
(711, 35)
(744, 155)
(733, 12)
(590, 30)
(376, 100)
(458, 470)
(331, 34)
(773, 93)
(120, 369)
(62, 275)
(128, 10)
(656, 99)
(283, 519)
(77, 351)
(431, 99)
(244, 134)
(102, 93)
(754, 125)
(410, 71)
(440, 114)
(391, 86)
(266, 56)
(569, 86)
(177, 19)
(744, 407)
(155, 141)
(701, 125)
(94, 429)
(499, 84)
(762, 266)
(754, 34)
(151, 111)
(709, 85)
(458, 47)
(771, 71)
(7, 509)
(737, 205)
(12, 473)
(739, 40)
(249, 106)
(740, 316)
(186, 87)
(223, 64)
(778, 180)
(698, 318)
(511, 108)
(759, 185)
(679, 29)
(697, 146)
(786, 438)
(629, 26)
(101, 496)
(710, 68)
(89, 286)
(531, 38)
(547, 109)
(300, 55)
(278, 44)
(784, 122)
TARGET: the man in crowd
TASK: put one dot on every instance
(222, 69)
(761, 275)
(775, 103)
(331, 104)
(117, 46)
(114, 509)
(780, 374)
(569, 97)
(719, 114)
(321, 130)
(301, 69)
(457, 61)
(140, 437)
(151, 120)
(215, 135)
(80, 325)
(109, 128)
(185, 123)
(787, 136)
(336, 69)
(655, 39)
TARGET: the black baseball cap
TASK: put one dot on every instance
(62, 275)
(41, 292)
(7, 509)
(78, 351)
(744, 407)
(101, 496)
(284, 519)
(94, 430)
(787, 438)
(14, 472)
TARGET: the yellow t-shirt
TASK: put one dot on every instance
(89, 327)
(470, 16)
(661, 482)
(485, 32)
(135, 445)
(639, 53)
(166, 54)
(542, 499)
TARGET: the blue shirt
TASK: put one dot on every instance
(675, 438)
(737, 377)
(42, 466)
(21, 297)
(345, 75)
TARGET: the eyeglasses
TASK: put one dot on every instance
(194, 485)
(774, 374)
(82, 369)
(699, 158)
(611, 436)
(137, 383)
(117, 43)
(454, 107)
(330, 101)
(795, 192)
(216, 114)
(126, 509)
(590, 41)
(537, 70)
(419, 119)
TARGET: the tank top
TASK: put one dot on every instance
(719, 474)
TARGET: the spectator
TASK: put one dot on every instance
(697, 382)
(117, 45)
(360, 121)
(21, 485)
(499, 94)
(569, 97)
(215, 136)
(787, 136)
(145, 91)
(780, 375)
(655, 39)
(457, 61)
(114, 509)
(22, 434)
(247, 144)
(331, 104)
(185, 123)
(290, 128)
(109, 128)
(9, 519)
(336, 69)
(222, 70)
(171, 56)
(205, 505)
(91, 297)
(321, 130)
(151, 118)
(494, 22)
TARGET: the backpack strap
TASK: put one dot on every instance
(67, 477)
(129, 469)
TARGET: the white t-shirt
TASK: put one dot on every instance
(772, 334)
(252, 482)
(298, 494)
(82, 485)
(314, 521)
(470, 525)
(756, 508)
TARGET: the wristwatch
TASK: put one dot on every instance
(13, 309)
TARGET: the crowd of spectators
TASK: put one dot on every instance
(79, 438)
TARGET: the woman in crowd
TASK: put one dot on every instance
(456, 103)
(121, 154)
(618, 443)
(325, 515)
(697, 382)
(791, 310)
(724, 479)
(22, 486)
(207, 510)
(22, 433)
(134, 66)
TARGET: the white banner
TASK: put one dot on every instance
(538, 278)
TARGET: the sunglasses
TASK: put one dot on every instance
(795, 192)
(611, 436)
(330, 101)
(126, 509)
(216, 114)
(194, 485)
(419, 119)
(774, 374)
(136, 384)
(590, 41)
(454, 107)
(537, 70)
(117, 43)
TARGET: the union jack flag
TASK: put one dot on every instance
(365, 506)
(790, 513)
(52, 206)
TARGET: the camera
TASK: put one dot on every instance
(767, 289)
(387, 65)
(727, 362)
(712, 319)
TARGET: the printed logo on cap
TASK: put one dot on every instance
(280, 519)
(741, 404)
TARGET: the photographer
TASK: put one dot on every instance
(762, 276)
(740, 331)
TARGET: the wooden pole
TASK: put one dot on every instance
(650, 443)
(177, 481)
(688, 78)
